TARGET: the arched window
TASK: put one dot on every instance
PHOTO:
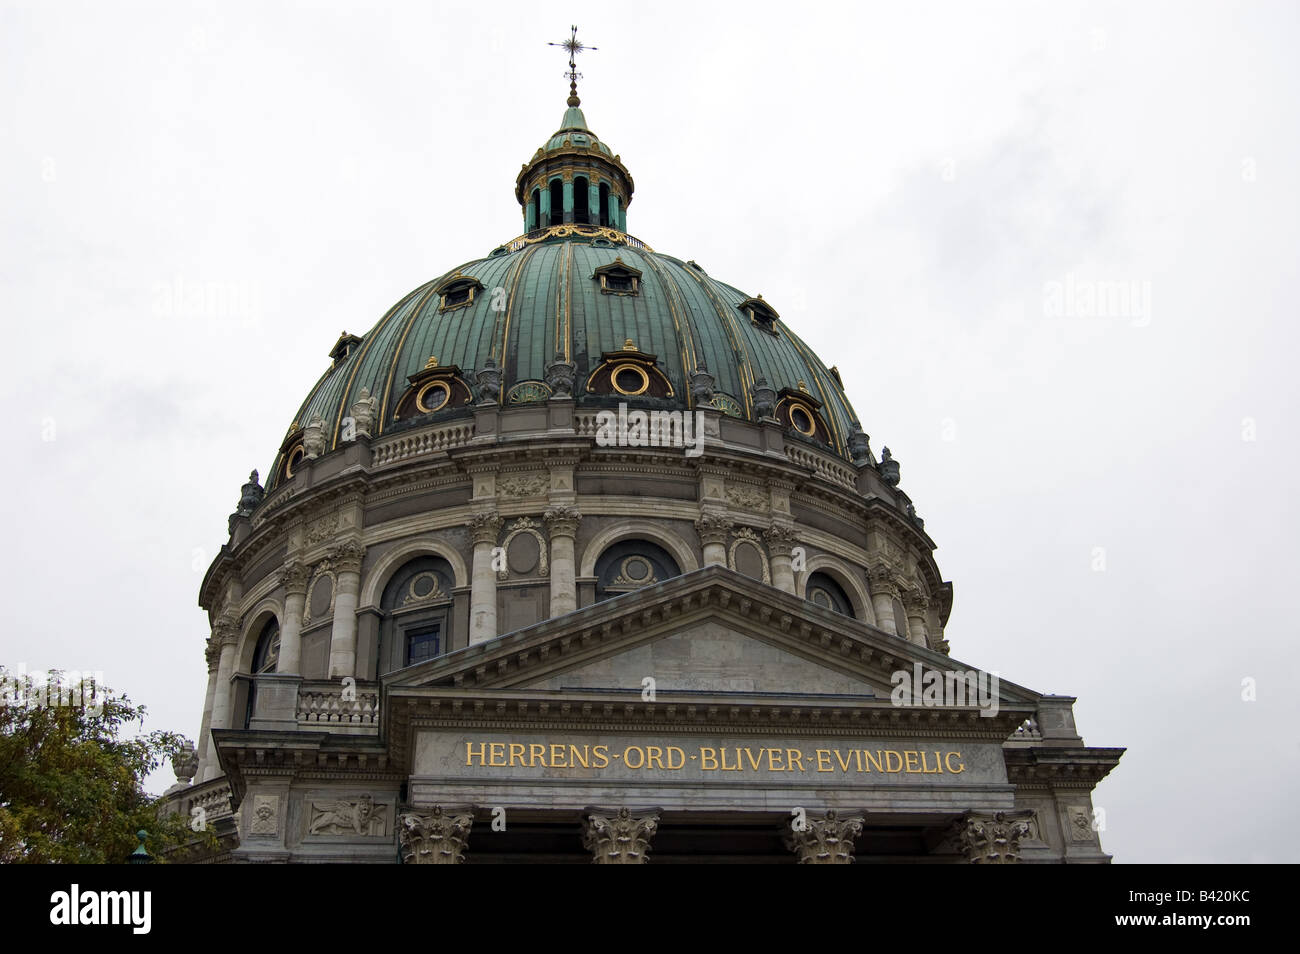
(825, 592)
(581, 200)
(604, 204)
(535, 220)
(267, 654)
(557, 202)
(416, 607)
(630, 565)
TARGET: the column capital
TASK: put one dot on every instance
(225, 632)
(562, 521)
(621, 838)
(346, 557)
(992, 839)
(485, 527)
(713, 528)
(883, 579)
(914, 602)
(437, 837)
(825, 841)
(212, 653)
(781, 539)
(294, 577)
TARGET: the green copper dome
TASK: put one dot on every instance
(623, 323)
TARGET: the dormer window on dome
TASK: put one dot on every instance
(801, 412)
(457, 292)
(616, 278)
(343, 347)
(433, 388)
(761, 314)
(630, 373)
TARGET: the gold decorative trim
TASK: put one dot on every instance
(628, 366)
(427, 407)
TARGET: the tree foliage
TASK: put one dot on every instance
(72, 776)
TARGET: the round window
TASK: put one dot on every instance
(630, 379)
(433, 397)
(802, 420)
(295, 458)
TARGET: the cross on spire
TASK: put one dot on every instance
(574, 46)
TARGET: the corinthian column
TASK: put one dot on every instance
(781, 539)
(438, 837)
(824, 841)
(916, 629)
(619, 839)
(294, 580)
(562, 524)
(483, 582)
(346, 559)
(992, 839)
(883, 592)
(713, 529)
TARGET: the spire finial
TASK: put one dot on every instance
(574, 46)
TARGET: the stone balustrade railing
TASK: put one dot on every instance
(336, 707)
(429, 440)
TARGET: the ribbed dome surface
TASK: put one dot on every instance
(554, 303)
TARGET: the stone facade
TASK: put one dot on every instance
(462, 625)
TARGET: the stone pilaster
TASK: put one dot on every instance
(212, 652)
(437, 837)
(713, 529)
(992, 839)
(562, 526)
(824, 841)
(781, 539)
(293, 577)
(346, 559)
(483, 582)
(619, 838)
(225, 635)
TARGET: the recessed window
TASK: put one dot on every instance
(457, 296)
(617, 278)
(295, 458)
(761, 314)
(423, 644)
(630, 379)
(267, 654)
(433, 397)
(802, 420)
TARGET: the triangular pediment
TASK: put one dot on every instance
(712, 631)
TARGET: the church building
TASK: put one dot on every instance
(579, 554)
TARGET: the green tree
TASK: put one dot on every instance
(72, 780)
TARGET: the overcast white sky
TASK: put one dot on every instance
(910, 185)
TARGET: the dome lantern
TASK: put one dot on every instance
(574, 178)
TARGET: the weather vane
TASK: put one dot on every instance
(574, 46)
